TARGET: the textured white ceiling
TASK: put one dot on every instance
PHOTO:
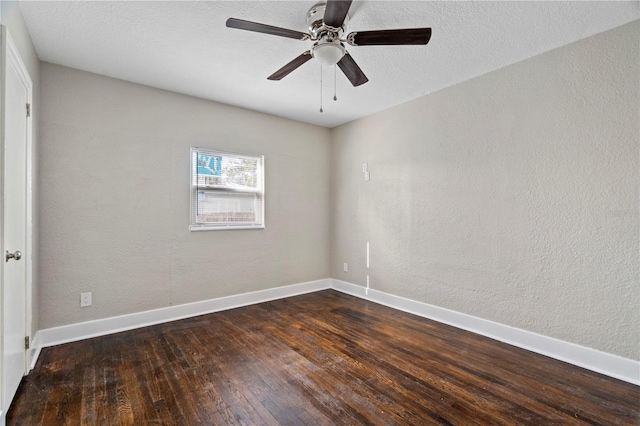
(185, 47)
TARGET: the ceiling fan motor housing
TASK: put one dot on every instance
(328, 50)
(315, 22)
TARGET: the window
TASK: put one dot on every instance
(227, 190)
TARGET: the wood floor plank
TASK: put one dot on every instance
(317, 359)
(405, 372)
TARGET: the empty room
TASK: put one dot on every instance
(320, 213)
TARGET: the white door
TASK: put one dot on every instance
(17, 89)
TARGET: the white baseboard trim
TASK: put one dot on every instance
(591, 359)
(35, 348)
(601, 362)
(85, 330)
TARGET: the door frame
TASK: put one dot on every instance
(11, 57)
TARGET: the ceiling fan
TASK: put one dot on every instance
(326, 23)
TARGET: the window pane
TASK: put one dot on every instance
(228, 171)
(226, 190)
(223, 207)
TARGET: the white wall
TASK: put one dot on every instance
(115, 199)
(512, 197)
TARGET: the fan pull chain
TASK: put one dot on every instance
(321, 110)
(335, 97)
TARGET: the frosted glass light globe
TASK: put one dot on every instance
(328, 53)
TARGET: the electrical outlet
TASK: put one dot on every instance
(345, 267)
(85, 299)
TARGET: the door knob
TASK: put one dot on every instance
(17, 255)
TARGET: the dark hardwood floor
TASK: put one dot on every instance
(321, 358)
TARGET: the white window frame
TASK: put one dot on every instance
(223, 188)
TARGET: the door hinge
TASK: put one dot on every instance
(28, 110)
(26, 342)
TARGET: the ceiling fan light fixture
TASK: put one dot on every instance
(328, 53)
(326, 21)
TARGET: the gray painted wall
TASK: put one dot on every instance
(512, 197)
(115, 201)
(11, 17)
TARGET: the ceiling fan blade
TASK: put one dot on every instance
(387, 37)
(287, 69)
(352, 70)
(336, 12)
(266, 29)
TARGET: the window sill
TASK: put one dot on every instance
(224, 227)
